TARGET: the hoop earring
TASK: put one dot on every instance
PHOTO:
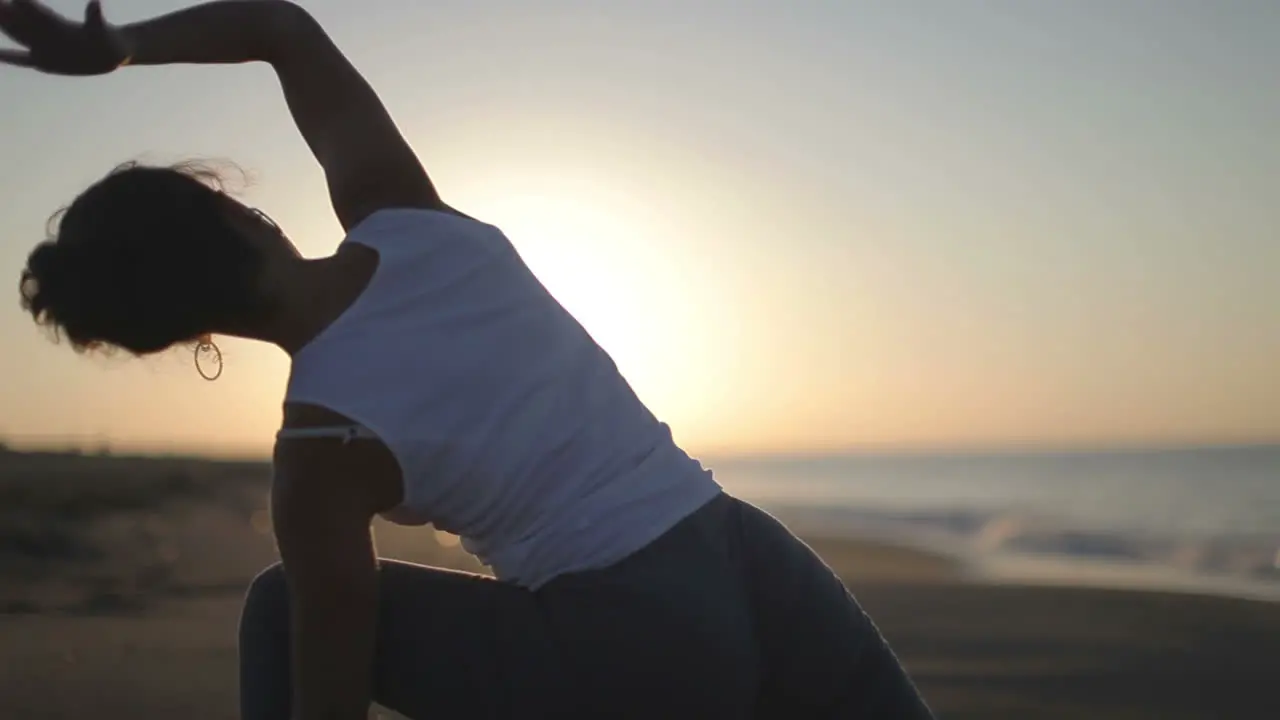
(207, 348)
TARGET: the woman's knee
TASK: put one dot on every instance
(267, 599)
(268, 583)
(265, 647)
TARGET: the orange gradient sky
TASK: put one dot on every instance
(796, 226)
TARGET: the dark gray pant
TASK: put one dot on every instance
(727, 615)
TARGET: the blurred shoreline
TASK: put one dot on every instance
(1157, 565)
(1186, 519)
(121, 578)
(43, 493)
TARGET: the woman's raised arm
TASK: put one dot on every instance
(367, 162)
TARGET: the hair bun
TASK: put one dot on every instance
(142, 260)
(55, 291)
(40, 282)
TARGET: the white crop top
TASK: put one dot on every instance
(513, 429)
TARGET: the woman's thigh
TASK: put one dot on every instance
(453, 644)
(666, 633)
(450, 645)
(824, 656)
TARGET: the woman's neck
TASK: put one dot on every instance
(306, 296)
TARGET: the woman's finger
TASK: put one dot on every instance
(32, 6)
(93, 15)
(34, 17)
(7, 30)
(17, 58)
(6, 17)
(16, 21)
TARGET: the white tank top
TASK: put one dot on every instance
(513, 429)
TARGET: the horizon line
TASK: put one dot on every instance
(104, 448)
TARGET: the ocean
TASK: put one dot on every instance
(1199, 520)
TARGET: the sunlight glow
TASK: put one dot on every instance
(611, 267)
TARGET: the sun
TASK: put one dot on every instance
(596, 260)
(606, 259)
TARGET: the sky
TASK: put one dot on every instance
(797, 226)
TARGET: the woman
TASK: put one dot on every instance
(434, 380)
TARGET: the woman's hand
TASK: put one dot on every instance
(53, 44)
(367, 162)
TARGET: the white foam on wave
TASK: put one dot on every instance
(1022, 547)
(1077, 572)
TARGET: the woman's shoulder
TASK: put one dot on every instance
(415, 229)
(430, 265)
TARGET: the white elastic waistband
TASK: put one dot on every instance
(345, 433)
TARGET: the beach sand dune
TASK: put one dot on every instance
(120, 582)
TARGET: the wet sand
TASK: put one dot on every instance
(120, 583)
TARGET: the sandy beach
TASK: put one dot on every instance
(120, 582)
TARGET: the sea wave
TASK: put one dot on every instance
(1017, 545)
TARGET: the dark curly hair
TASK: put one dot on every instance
(142, 260)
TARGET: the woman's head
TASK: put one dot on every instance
(149, 257)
